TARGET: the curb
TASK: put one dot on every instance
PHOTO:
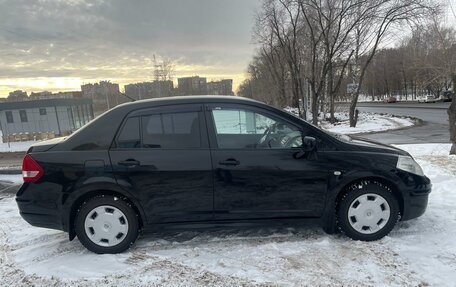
(400, 106)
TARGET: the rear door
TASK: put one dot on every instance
(162, 156)
(256, 173)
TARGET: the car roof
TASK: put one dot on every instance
(191, 99)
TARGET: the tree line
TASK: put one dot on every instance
(313, 53)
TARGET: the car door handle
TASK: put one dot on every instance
(129, 162)
(230, 161)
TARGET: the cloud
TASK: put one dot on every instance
(117, 39)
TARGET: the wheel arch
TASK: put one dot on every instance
(329, 221)
(390, 185)
(79, 197)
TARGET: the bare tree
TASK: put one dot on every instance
(331, 30)
(167, 69)
(260, 84)
(452, 117)
(282, 17)
(452, 108)
(273, 58)
(379, 17)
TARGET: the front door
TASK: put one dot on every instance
(162, 157)
(256, 172)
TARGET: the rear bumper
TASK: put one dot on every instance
(39, 207)
(41, 220)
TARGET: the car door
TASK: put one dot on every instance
(162, 156)
(257, 177)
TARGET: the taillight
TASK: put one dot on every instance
(31, 170)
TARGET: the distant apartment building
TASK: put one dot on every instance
(40, 95)
(60, 95)
(17, 95)
(58, 116)
(192, 86)
(222, 87)
(105, 95)
(148, 90)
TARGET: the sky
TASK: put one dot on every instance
(59, 45)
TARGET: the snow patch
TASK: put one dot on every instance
(11, 178)
(367, 123)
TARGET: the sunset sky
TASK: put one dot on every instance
(59, 45)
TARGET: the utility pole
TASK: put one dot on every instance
(157, 76)
(7, 133)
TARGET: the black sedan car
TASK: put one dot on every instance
(213, 161)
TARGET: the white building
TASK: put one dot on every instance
(59, 116)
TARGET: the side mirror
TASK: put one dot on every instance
(309, 143)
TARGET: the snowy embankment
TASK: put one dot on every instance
(419, 252)
(367, 123)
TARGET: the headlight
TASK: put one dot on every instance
(408, 164)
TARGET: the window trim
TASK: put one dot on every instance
(212, 130)
(122, 125)
(168, 109)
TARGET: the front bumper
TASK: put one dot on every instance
(416, 198)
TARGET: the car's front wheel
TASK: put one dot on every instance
(106, 224)
(368, 211)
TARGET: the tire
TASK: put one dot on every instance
(368, 211)
(106, 224)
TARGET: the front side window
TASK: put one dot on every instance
(9, 117)
(23, 115)
(242, 128)
(171, 130)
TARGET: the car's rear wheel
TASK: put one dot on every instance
(368, 211)
(106, 224)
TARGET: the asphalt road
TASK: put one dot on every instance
(434, 129)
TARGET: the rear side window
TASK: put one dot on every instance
(171, 130)
(129, 136)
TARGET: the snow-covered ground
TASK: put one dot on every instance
(13, 146)
(11, 178)
(367, 122)
(419, 252)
